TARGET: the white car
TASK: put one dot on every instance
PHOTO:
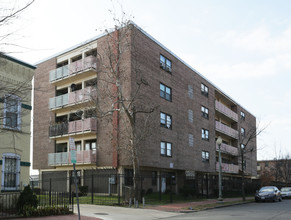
(286, 192)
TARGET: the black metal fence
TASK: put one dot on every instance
(116, 189)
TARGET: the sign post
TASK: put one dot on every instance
(74, 160)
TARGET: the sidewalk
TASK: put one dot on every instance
(98, 212)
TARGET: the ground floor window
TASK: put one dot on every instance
(10, 172)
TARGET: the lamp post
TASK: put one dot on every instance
(219, 142)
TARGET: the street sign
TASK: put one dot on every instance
(72, 150)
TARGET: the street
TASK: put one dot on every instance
(266, 211)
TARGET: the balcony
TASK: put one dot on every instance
(64, 158)
(226, 111)
(79, 126)
(87, 124)
(76, 97)
(227, 149)
(227, 168)
(226, 130)
(79, 66)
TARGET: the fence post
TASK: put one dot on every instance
(118, 187)
(160, 187)
(92, 185)
(50, 193)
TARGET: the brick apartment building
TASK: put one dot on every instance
(190, 113)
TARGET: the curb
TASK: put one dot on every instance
(216, 207)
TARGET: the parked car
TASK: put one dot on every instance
(286, 192)
(268, 193)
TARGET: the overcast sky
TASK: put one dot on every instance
(242, 46)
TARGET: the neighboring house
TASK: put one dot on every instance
(278, 170)
(15, 117)
(192, 112)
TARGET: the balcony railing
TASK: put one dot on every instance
(228, 149)
(227, 168)
(87, 124)
(64, 158)
(226, 129)
(58, 129)
(89, 62)
(82, 95)
(225, 110)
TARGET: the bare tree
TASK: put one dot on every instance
(247, 146)
(120, 88)
(9, 12)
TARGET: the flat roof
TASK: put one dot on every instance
(13, 59)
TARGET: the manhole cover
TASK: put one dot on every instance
(100, 213)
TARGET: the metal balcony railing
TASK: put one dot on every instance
(227, 168)
(226, 111)
(87, 124)
(82, 65)
(227, 149)
(226, 129)
(81, 95)
(64, 158)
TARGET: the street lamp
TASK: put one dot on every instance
(219, 142)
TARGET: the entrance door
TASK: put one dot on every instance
(164, 186)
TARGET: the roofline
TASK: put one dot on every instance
(158, 43)
(13, 59)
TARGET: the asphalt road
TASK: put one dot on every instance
(265, 211)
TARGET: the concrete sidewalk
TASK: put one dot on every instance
(98, 212)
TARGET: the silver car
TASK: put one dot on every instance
(286, 192)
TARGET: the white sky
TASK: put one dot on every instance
(242, 46)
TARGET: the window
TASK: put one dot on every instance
(191, 140)
(204, 90)
(165, 63)
(190, 91)
(166, 120)
(244, 164)
(242, 116)
(90, 144)
(204, 112)
(205, 156)
(12, 112)
(10, 171)
(165, 92)
(166, 149)
(242, 146)
(242, 132)
(204, 134)
(190, 116)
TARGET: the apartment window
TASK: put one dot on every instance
(205, 156)
(61, 147)
(90, 144)
(242, 132)
(165, 120)
(165, 92)
(12, 112)
(165, 63)
(242, 116)
(204, 90)
(244, 164)
(191, 140)
(166, 149)
(204, 112)
(10, 171)
(190, 115)
(204, 134)
(190, 91)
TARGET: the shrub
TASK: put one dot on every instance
(26, 200)
(187, 191)
(83, 190)
(36, 190)
(45, 211)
